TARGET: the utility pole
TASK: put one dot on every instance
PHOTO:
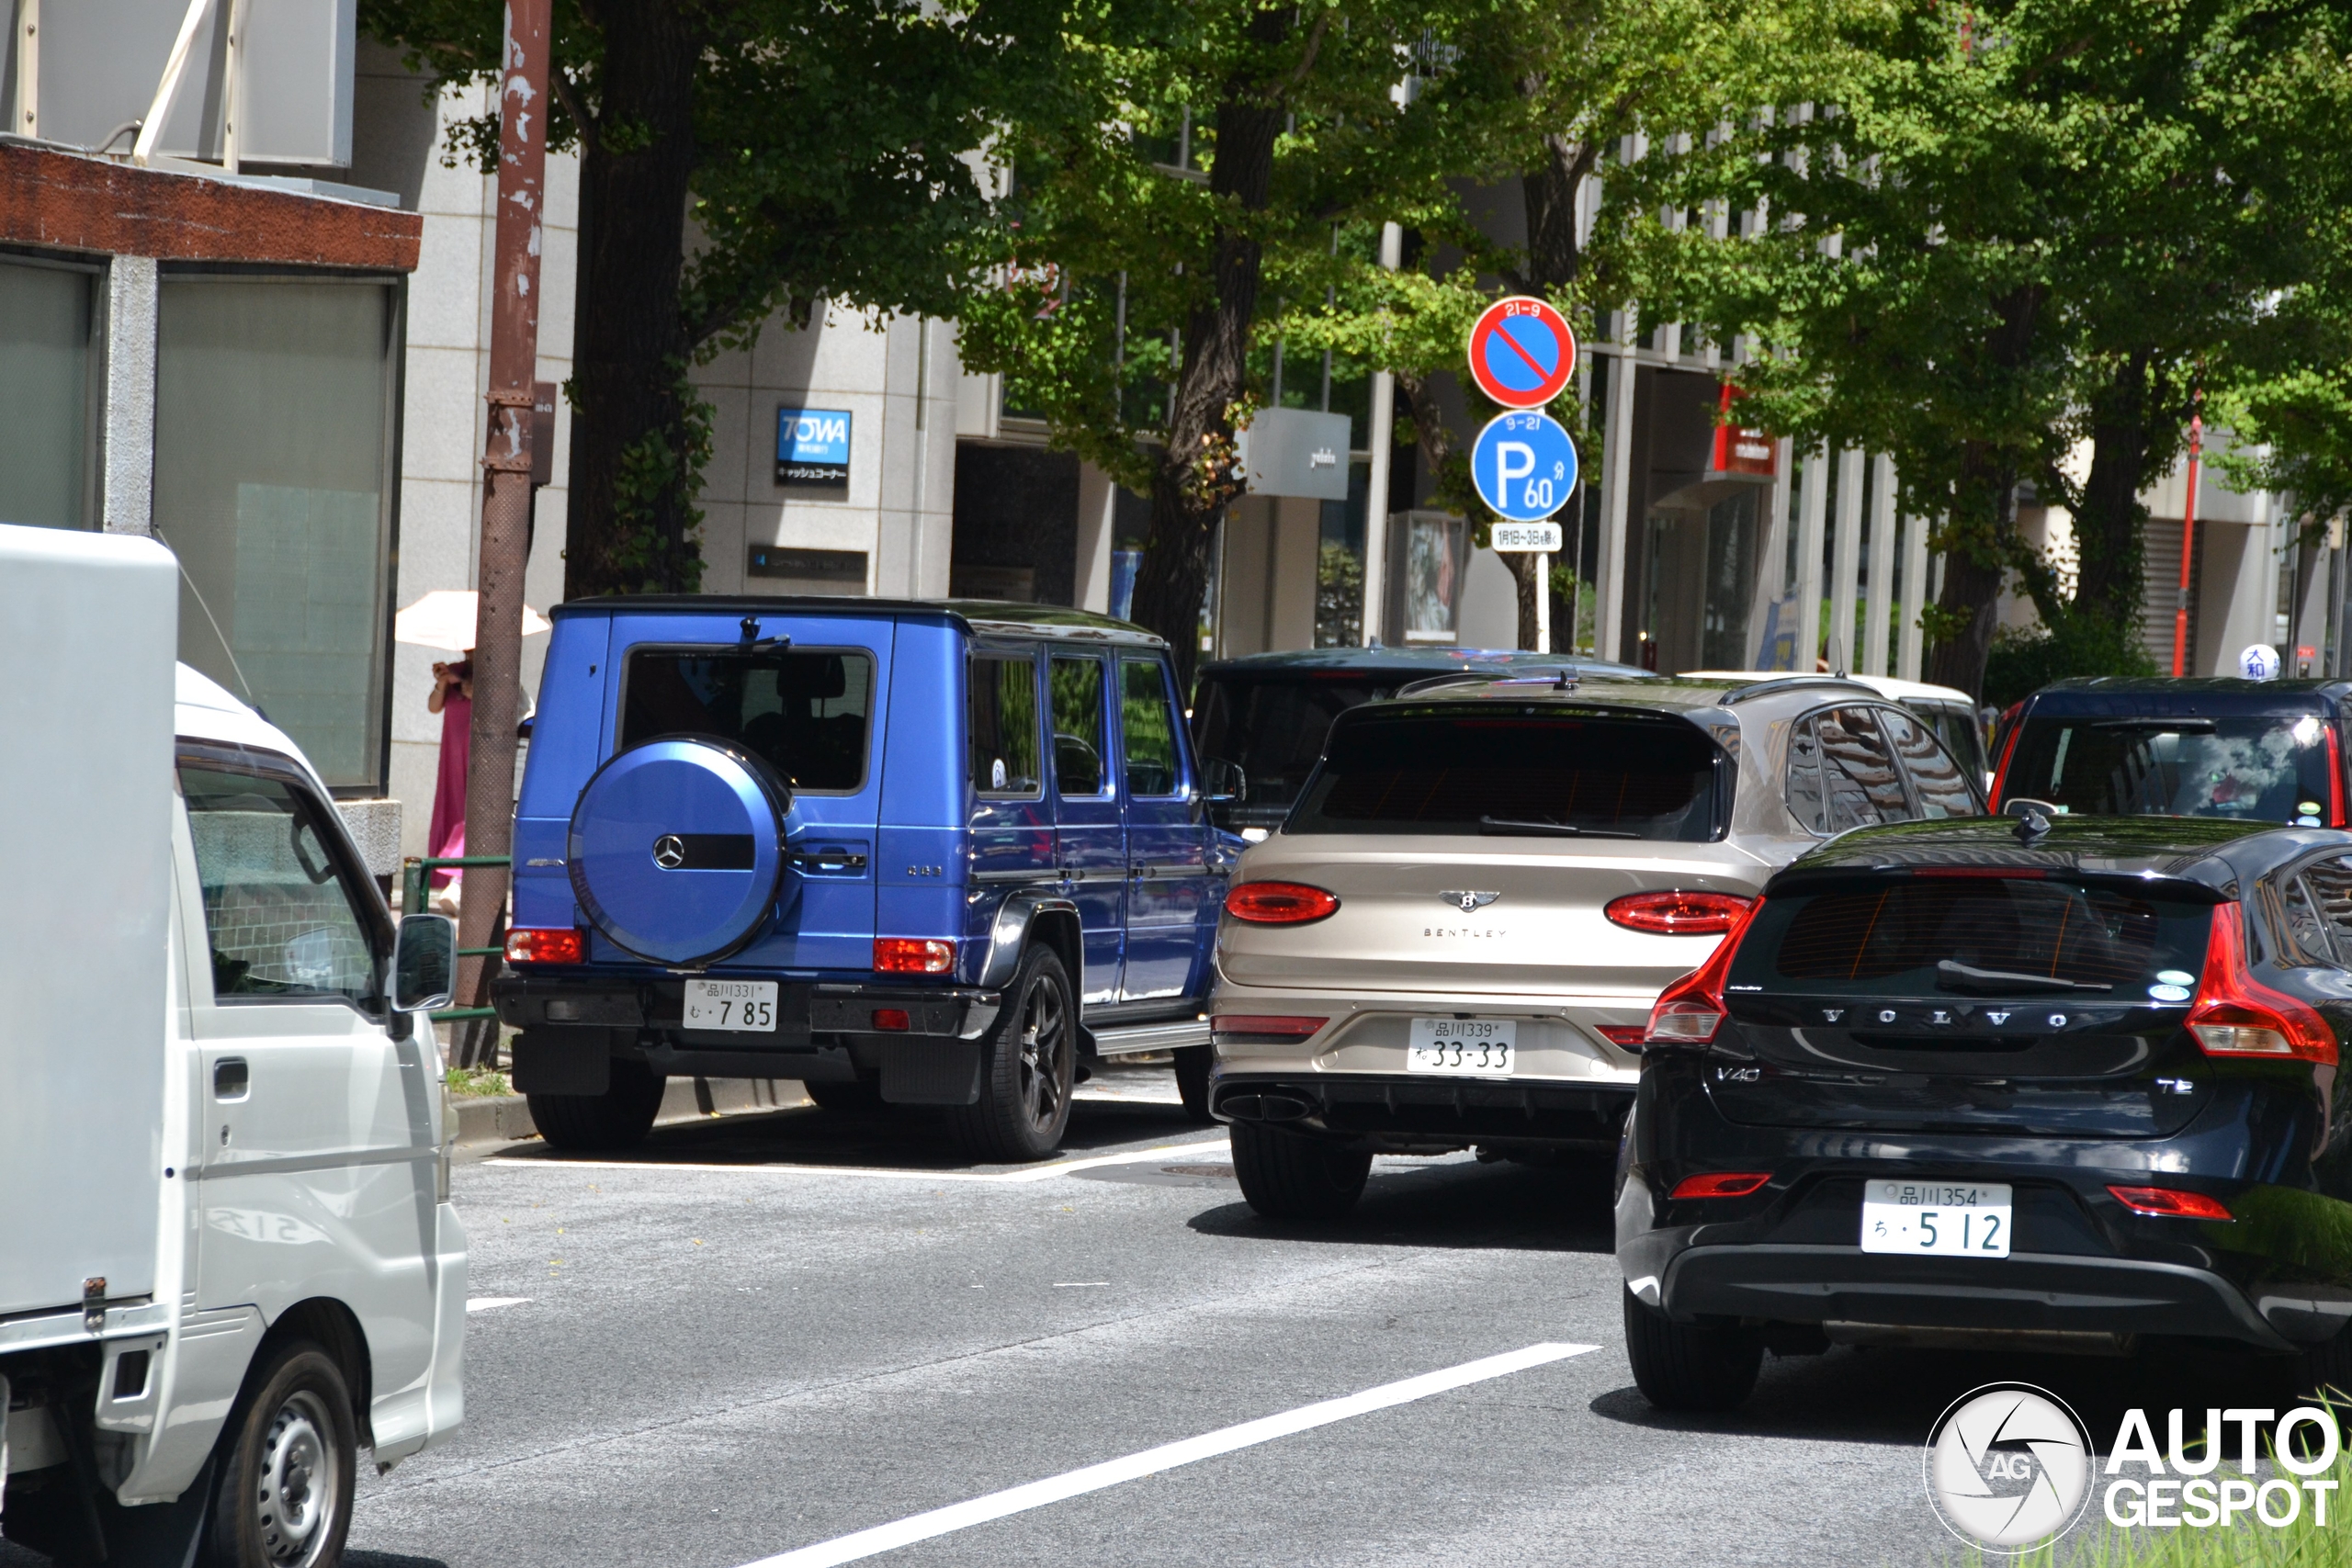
(506, 489)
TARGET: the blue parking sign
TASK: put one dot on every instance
(1524, 465)
(812, 447)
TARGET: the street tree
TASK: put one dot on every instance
(739, 158)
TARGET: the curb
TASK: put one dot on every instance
(486, 1122)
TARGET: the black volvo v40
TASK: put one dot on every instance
(2050, 1082)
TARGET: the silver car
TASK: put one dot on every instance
(1456, 937)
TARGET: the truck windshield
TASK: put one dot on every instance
(805, 710)
(1273, 730)
(2262, 768)
(1515, 774)
(1976, 935)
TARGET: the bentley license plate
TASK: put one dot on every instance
(1462, 1047)
(1942, 1218)
(740, 1007)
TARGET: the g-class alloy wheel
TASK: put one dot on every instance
(1029, 1067)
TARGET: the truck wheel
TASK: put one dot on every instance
(595, 1123)
(1192, 1064)
(1680, 1366)
(1288, 1176)
(286, 1473)
(1027, 1069)
(859, 1099)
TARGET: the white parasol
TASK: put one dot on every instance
(445, 618)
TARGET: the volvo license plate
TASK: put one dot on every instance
(1463, 1048)
(1941, 1219)
(739, 1007)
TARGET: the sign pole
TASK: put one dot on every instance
(1543, 601)
(506, 488)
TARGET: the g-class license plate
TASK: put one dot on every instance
(742, 1007)
(1941, 1219)
(1462, 1047)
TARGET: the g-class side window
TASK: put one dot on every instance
(1001, 721)
(805, 710)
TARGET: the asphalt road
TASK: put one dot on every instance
(765, 1333)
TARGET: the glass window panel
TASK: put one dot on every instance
(1858, 776)
(2330, 883)
(803, 709)
(1077, 726)
(2305, 926)
(271, 437)
(1942, 787)
(44, 395)
(1147, 727)
(1002, 722)
(1804, 787)
(278, 915)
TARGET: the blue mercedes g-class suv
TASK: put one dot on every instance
(918, 853)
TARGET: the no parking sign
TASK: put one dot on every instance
(1522, 352)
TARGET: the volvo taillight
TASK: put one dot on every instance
(2237, 1015)
(1688, 1011)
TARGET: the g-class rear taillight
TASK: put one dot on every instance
(1279, 903)
(1688, 1011)
(912, 955)
(2237, 1015)
(561, 945)
(1677, 913)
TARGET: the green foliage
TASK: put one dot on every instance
(2023, 663)
(1339, 596)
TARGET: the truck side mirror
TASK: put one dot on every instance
(425, 963)
(1226, 781)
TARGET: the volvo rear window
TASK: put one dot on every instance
(2010, 937)
(805, 710)
(1511, 774)
(2265, 768)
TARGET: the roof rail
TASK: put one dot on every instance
(1793, 682)
(1560, 677)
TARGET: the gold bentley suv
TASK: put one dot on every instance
(1455, 938)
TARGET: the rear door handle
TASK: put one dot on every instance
(231, 1079)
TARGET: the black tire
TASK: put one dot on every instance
(598, 1123)
(1290, 1176)
(1028, 1067)
(1686, 1366)
(287, 1464)
(839, 1099)
(1192, 1064)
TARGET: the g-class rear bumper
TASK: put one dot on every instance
(921, 1042)
(1417, 1112)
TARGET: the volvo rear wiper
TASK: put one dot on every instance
(1950, 976)
(1540, 829)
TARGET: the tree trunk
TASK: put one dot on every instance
(2109, 522)
(1976, 559)
(1194, 478)
(628, 529)
(1549, 191)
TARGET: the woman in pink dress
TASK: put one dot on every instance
(453, 699)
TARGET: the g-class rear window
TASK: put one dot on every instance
(803, 709)
(1976, 935)
(1534, 775)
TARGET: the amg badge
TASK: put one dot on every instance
(1466, 899)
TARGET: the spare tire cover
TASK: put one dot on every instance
(676, 848)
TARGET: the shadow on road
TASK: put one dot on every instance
(1455, 1204)
(901, 1138)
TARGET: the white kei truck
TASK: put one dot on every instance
(228, 1260)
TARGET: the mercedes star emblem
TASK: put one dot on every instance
(1466, 899)
(669, 851)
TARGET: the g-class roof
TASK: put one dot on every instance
(973, 615)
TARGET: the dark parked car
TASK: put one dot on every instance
(2240, 751)
(918, 853)
(2050, 1085)
(1260, 721)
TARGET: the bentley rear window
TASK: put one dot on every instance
(1517, 776)
(805, 710)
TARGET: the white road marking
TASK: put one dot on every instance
(1078, 1284)
(1032, 1173)
(490, 1303)
(1167, 1456)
